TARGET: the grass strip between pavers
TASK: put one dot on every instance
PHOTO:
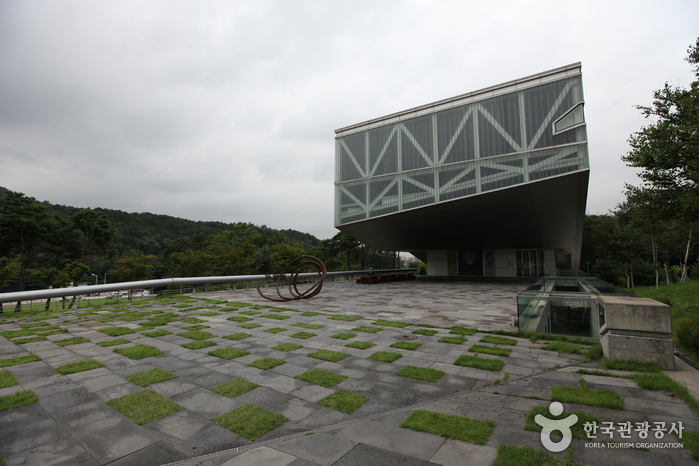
(463, 330)
(116, 331)
(195, 345)
(452, 340)
(71, 341)
(424, 331)
(450, 426)
(250, 421)
(240, 319)
(344, 401)
(249, 326)
(583, 395)
(150, 377)
(79, 366)
(196, 327)
(287, 347)
(563, 347)
(385, 356)
(310, 313)
(363, 328)
(343, 336)
(490, 350)
(118, 341)
(197, 335)
(406, 345)
(138, 351)
(237, 336)
(344, 318)
(308, 326)
(156, 333)
(516, 455)
(18, 399)
(275, 330)
(421, 373)
(494, 365)
(360, 345)
(266, 363)
(276, 316)
(498, 340)
(234, 388)
(21, 341)
(144, 406)
(322, 377)
(229, 353)
(7, 379)
(327, 355)
(20, 360)
(303, 335)
(388, 323)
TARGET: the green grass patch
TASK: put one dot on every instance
(360, 345)
(424, 331)
(287, 347)
(421, 373)
(275, 330)
(452, 340)
(53, 332)
(18, 399)
(116, 331)
(583, 395)
(563, 347)
(267, 363)
(344, 318)
(450, 426)
(327, 355)
(20, 360)
(194, 320)
(494, 365)
(237, 304)
(157, 333)
(118, 341)
(210, 314)
(249, 326)
(276, 316)
(195, 345)
(321, 377)
(182, 306)
(250, 313)
(260, 306)
(363, 328)
(138, 351)
(250, 421)
(310, 313)
(239, 319)
(388, 323)
(310, 326)
(490, 350)
(498, 340)
(234, 388)
(691, 443)
(303, 335)
(344, 401)
(71, 341)
(343, 336)
(196, 327)
(21, 341)
(463, 330)
(7, 379)
(228, 353)
(237, 336)
(144, 406)
(406, 345)
(145, 378)
(17, 333)
(385, 356)
(661, 382)
(629, 366)
(80, 366)
(593, 351)
(35, 324)
(577, 429)
(197, 335)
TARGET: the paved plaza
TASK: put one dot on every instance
(73, 424)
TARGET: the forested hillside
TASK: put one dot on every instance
(44, 244)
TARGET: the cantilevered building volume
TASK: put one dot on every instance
(489, 183)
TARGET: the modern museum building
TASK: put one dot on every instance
(490, 183)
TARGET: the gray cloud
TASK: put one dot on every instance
(226, 110)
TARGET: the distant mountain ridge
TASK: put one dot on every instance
(149, 232)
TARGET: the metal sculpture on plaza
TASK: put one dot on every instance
(298, 265)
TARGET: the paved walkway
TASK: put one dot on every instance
(72, 423)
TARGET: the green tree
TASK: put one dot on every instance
(667, 152)
(93, 225)
(134, 267)
(9, 270)
(191, 263)
(24, 228)
(283, 254)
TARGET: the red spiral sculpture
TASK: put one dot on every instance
(299, 264)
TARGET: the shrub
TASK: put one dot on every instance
(688, 333)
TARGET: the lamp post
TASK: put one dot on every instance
(94, 275)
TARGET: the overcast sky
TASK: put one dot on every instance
(226, 110)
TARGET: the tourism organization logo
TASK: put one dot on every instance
(644, 430)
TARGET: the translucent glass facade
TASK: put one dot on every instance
(503, 136)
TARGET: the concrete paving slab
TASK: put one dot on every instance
(261, 455)
(66, 399)
(323, 449)
(206, 403)
(454, 453)
(65, 451)
(83, 414)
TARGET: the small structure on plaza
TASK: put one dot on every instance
(297, 266)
